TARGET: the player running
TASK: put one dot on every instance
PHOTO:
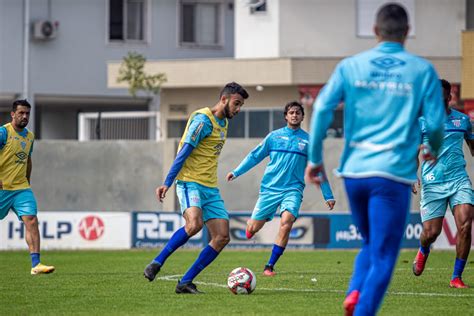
(16, 146)
(283, 181)
(385, 90)
(195, 168)
(447, 182)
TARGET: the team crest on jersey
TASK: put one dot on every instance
(23, 145)
(222, 134)
(456, 123)
(301, 146)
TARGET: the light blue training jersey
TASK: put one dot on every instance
(385, 90)
(450, 165)
(288, 152)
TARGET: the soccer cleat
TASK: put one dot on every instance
(457, 283)
(350, 302)
(268, 271)
(187, 288)
(419, 263)
(151, 271)
(42, 269)
(248, 234)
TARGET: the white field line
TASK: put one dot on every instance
(174, 278)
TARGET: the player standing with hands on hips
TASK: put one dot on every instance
(385, 90)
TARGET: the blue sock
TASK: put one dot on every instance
(179, 238)
(459, 265)
(35, 259)
(277, 251)
(207, 255)
(425, 250)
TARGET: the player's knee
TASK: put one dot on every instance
(194, 227)
(286, 227)
(222, 240)
(465, 230)
(431, 233)
(30, 221)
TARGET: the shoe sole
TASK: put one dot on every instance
(43, 272)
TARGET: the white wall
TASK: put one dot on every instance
(257, 34)
(328, 28)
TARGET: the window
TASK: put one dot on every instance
(255, 123)
(127, 20)
(175, 128)
(200, 23)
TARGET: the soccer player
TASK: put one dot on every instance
(16, 146)
(385, 90)
(447, 182)
(195, 168)
(283, 182)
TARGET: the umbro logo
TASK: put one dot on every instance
(387, 62)
(21, 155)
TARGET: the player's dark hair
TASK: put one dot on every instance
(446, 85)
(20, 102)
(291, 104)
(233, 88)
(392, 22)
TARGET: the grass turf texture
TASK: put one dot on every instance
(307, 283)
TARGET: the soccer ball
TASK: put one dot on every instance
(241, 281)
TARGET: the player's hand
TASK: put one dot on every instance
(415, 186)
(427, 155)
(161, 192)
(230, 176)
(315, 174)
(330, 204)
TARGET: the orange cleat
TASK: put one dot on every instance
(350, 302)
(457, 283)
(419, 263)
(268, 271)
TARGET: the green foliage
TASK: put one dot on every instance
(132, 71)
(307, 283)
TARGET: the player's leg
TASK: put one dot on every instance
(289, 211)
(431, 230)
(263, 212)
(286, 223)
(462, 205)
(358, 194)
(389, 205)
(24, 205)
(190, 201)
(434, 200)
(217, 222)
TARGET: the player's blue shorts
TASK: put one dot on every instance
(435, 197)
(268, 202)
(22, 202)
(207, 199)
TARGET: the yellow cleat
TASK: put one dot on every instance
(42, 269)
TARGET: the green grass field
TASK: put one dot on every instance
(308, 283)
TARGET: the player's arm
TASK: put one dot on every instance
(327, 192)
(327, 101)
(252, 159)
(470, 138)
(434, 114)
(200, 128)
(3, 141)
(29, 165)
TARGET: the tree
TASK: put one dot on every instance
(132, 72)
